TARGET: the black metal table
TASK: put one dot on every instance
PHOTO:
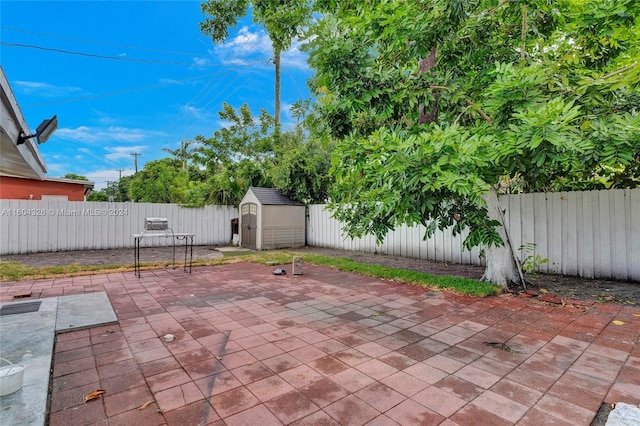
(175, 236)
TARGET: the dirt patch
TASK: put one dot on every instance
(565, 287)
(109, 257)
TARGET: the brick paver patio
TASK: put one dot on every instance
(332, 348)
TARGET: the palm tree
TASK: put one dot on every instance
(182, 154)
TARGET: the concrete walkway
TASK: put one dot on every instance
(332, 348)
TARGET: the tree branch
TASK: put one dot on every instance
(481, 112)
(524, 32)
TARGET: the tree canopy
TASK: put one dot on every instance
(219, 169)
(436, 103)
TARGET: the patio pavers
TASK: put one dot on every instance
(330, 347)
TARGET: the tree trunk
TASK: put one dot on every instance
(276, 61)
(425, 65)
(501, 266)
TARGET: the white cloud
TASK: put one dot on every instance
(201, 62)
(122, 152)
(191, 110)
(171, 81)
(104, 117)
(101, 177)
(252, 46)
(55, 168)
(249, 46)
(248, 42)
(294, 57)
(285, 110)
(106, 135)
(44, 89)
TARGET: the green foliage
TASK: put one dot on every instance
(160, 181)
(435, 103)
(300, 168)
(101, 196)
(182, 154)
(529, 261)
(74, 176)
(281, 19)
(243, 153)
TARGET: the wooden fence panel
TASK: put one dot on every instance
(28, 226)
(593, 234)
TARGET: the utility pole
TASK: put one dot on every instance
(120, 173)
(136, 155)
(111, 190)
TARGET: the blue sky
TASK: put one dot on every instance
(163, 81)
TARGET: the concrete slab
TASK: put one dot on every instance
(232, 249)
(80, 311)
(624, 415)
(28, 339)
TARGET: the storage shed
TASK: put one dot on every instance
(270, 220)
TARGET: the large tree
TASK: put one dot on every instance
(245, 153)
(160, 181)
(437, 106)
(283, 20)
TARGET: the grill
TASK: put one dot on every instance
(156, 224)
(158, 227)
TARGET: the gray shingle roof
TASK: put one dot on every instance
(272, 196)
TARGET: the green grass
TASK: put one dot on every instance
(14, 271)
(239, 253)
(423, 279)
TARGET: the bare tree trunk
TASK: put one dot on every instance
(276, 61)
(502, 267)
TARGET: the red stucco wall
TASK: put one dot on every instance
(22, 189)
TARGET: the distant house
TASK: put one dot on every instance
(51, 189)
(22, 169)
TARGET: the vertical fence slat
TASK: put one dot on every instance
(585, 259)
(540, 229)
(618, 235)
(605, 208)
(570, 256)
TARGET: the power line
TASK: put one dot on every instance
(121, 92)
(93, 55)
(101, 42)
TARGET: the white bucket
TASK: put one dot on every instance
(10, 377)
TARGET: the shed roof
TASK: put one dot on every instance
(272, 196)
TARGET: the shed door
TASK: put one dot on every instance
(249, 225)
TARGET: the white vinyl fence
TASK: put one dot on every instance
(28, 226)
(592, 234)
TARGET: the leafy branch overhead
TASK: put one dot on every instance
(434, 104)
